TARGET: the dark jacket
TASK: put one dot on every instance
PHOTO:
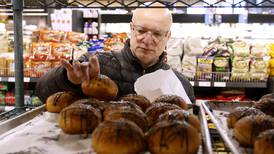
(122, 67)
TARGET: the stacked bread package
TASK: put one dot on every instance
(48, 47)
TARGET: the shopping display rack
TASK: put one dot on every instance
(224, 79)
(212, 140)
(222, 138)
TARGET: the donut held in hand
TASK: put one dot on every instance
(100, 87)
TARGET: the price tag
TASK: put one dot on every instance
(8, 108)
(219, 84)
(204, 84)
(26, 79)
(11, 79)
(192, 83)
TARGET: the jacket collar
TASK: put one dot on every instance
(128, 55)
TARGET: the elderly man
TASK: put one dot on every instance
(143, 53)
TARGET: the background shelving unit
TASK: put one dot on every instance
(90, 20)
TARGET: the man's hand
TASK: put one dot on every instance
(79, 72)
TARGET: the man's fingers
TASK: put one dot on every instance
(77, 69)
(66, 65)
(94, 66)
(82, 71)
(85, 71)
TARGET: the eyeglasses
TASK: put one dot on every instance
(157, 36)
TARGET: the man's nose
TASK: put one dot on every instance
(148, 38)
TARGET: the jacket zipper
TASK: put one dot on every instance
(144, 72)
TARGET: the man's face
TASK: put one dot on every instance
(148, 40)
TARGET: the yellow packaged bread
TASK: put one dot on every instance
(271, 72)
(271, 63)
(271, 50)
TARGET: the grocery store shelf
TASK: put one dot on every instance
(224, 79)
(230, 84)
(12, 79)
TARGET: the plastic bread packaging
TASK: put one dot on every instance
(62, 51)
(174, 62)
(40, 67)
(51, 36)
(258, 50)
(193, 46)
(189, 64)
(241, 49)
(259, 68)
(74, 37)
(204, 67)
(241, 64)
(3, 65)
(41, 51)
(175, 47)
(221, 65)
(240, 69)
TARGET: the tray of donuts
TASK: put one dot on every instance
(245, 126)
(130, 124)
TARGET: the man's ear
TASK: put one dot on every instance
(168, 35)
(131, 26)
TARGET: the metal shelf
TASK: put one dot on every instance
(12, 79)
(224, 79)
(230, 84)
(7, 11)
(142, 3)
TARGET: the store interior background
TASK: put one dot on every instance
(202, 24)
